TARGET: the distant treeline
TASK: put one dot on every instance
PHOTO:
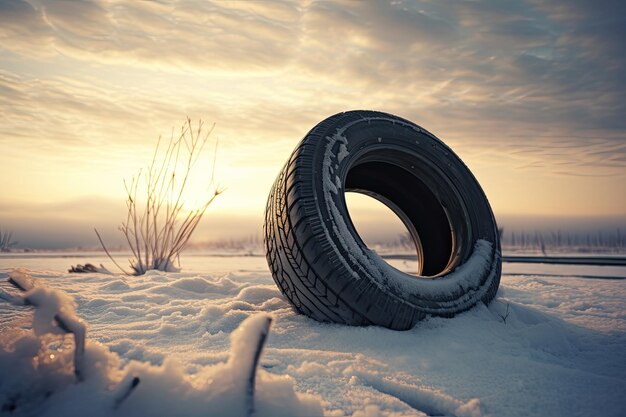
(600, 241)
(514, 241)
(252, 243)
(543, 241)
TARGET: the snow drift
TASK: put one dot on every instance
(51, 375)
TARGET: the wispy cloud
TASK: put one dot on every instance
(527, 61)
(531, 89)
(202, 34)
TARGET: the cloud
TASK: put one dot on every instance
(19, 18)
(199, 34)
(518, 60)
(523, 86)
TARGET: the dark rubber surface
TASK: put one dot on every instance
(317, 258)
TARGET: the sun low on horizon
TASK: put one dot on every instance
(529, 94)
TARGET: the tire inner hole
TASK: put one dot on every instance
(413, 205)
(383, 231)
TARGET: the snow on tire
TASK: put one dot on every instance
(320, 263)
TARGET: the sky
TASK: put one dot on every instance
(531, 95)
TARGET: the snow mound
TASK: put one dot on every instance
(200, 285)
(42, 364)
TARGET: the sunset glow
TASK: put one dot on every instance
(530, 95)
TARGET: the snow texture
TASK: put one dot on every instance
(463, 280)
(560, 351)
(41, 383)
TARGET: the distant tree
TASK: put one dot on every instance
(6, 244)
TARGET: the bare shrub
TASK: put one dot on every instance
(157, 228)
(6, 244)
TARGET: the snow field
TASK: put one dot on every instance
(559, 353)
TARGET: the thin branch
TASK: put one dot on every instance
(107, 252)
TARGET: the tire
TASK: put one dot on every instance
(320, 263)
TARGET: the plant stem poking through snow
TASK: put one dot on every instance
(247, 343)
(157, 229)
(505, 315)
(127, 391)
(51, 306)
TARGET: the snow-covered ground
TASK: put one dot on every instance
(561, 351)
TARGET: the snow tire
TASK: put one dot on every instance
(320, 263)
